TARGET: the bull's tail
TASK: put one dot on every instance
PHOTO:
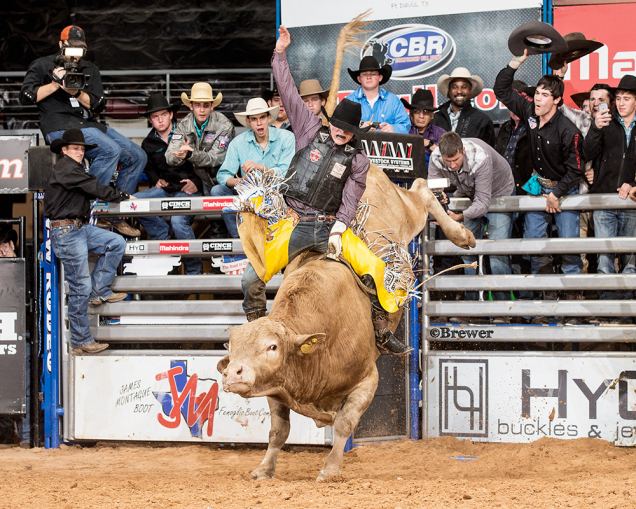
(348, 38)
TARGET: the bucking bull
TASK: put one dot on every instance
(315, 353)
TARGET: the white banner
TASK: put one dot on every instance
(521, 397)
(304, 13)
(171, 398)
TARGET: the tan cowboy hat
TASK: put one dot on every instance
(311, 87)
(256, 106)
(201, 93)
(444, 80)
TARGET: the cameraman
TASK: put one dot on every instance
(67, 90)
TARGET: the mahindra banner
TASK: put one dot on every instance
(420, 40)
(610, 24)
(169, 398)
(517, 397)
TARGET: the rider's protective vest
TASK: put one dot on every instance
(318, 172)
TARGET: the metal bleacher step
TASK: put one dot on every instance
(185, 284)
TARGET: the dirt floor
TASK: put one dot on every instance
(432, 473)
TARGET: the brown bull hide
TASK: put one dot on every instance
(315, 354)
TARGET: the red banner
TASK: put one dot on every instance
(612, 24)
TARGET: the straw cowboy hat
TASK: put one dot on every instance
(70, 137)
(444, 81)
(578, 46)
(312, 87)
(256, 106)
(536, 37)
(370, 63)
(201, 93)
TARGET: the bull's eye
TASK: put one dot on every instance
(272, 348)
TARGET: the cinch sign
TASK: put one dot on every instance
(414, 51)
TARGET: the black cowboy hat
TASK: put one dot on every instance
(347, 116)
(627, 82)
(369, 63)
(579, 98)
(422, 100)
(578, 46)
(536, 37)
(269, 93)
(70, 137)
(157, 102)
(7, 234)
(522, 86)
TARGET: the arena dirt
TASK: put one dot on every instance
(432, 473)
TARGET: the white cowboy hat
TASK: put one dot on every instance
(256, 106)
(201, 93)
(460, 73)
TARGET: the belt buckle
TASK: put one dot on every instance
(321, 218)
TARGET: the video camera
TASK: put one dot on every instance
(68, 59)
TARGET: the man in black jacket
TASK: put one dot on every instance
(67, 198)
(458, 114)
(557, 158)
(610, 142)
(67, 90)
(167, 181)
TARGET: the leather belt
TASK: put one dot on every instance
(57, 223)
(320, 218)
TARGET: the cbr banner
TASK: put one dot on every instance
(419, 49)
(611, 24)
(14, 175)
(170, 398)
(521, 397)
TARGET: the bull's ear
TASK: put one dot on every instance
(222, 364)
(307, 343)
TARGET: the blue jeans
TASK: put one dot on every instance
(229, 215)
(610, 224)
(567, 223)
(307, 235)
(112, 148)
(499, 228)
(157, 228)
(72, 245)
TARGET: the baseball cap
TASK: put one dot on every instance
(73, 36)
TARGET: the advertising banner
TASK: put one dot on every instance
(420, 44)
(170, 398)
(14, 176)
(12, 336)
(522, 397)
(611, 24)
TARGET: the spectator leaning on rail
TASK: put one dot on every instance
(261, 146)
(167, 181)
(67, 90)
(557, 158)
(477, 172)
(458, 114)
(611, 143)
(381, 109)
(202, 137)
(421, 113)
(67, 197)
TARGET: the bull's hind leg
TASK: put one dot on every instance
(277, 436)
(346, 421)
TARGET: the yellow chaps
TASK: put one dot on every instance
(266, 247)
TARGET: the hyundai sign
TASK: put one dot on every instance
(414, 51)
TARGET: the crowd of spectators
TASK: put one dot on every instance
(545, 149)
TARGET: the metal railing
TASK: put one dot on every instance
(437, 331)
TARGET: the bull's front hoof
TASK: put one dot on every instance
(326, 474)
(262, 473)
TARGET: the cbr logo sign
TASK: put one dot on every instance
(414, 51)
